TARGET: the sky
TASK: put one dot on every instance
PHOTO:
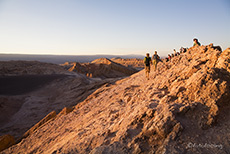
(116, 27)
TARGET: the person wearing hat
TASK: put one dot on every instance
(195, 42)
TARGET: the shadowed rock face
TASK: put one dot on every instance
(183, 108)
(100, 68)
(16, 85)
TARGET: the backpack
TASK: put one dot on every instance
(156, 57)
(147, 61)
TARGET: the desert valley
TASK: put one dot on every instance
(108, 105)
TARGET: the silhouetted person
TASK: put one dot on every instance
(169, 57)
(195, 42)
(182, 50)
(156, 59)
(174, 50)
(147, 62)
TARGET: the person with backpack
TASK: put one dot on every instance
(195, 42)
(147, 62)
(182, 50)
(156, 59)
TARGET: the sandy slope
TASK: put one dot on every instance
(183, 108)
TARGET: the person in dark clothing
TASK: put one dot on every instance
(156, 59)
(169, 57)
(195, 42)
(147, 62)
(182, 50)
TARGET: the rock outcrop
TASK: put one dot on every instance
(223, 60)
(183, 108)
(6, 141)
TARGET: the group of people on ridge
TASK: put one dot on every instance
(156, 58)
(182, 50)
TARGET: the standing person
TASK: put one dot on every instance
(156, 59)
(169, 57)
(147, 62)
(174, 50)
(181, 50)
(195, 42)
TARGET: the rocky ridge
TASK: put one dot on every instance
(183, 108)
(100, 68)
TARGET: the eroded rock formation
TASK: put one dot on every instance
(132, 62)
(100, 68)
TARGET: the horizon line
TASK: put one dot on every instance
(70, 54)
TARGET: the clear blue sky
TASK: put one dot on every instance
(85, 27)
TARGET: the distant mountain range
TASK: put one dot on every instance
(60, 59)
